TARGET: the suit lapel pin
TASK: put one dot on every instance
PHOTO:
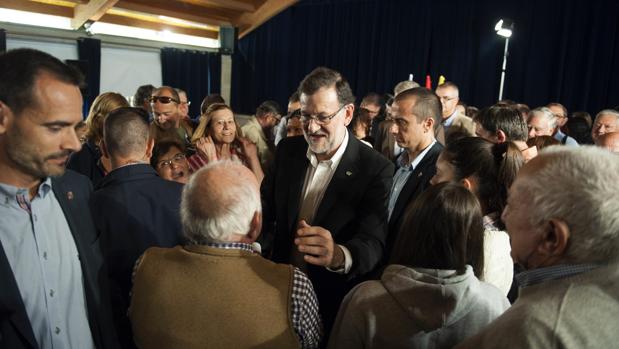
(420, 174)
(348, 173)
(70, 195)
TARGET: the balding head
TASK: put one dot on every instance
(126, 135)
(221, 203)
(563, 208)
(609, 141)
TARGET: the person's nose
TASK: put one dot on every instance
(394, 128)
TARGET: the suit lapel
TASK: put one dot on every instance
(412, 184)
(345, 172)
(12, 303)
(298, 168)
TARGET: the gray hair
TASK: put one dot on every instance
(579, 186)
(403, 86)
(546, 114)
(214, 208)
(612, 112)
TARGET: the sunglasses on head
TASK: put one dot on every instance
(162, 99)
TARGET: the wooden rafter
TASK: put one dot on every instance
(186, 12)
(236, 5)
(94, 10)
(250, 21)
(31, 6)
(132, 22)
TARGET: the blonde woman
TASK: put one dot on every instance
(89, 161)
(219, 137)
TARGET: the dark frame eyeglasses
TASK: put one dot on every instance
(162, 99)
(320, 120)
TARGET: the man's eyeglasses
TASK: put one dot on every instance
(162, 99)
(176, 160)
(319, 119)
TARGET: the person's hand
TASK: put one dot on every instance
(206, 149)
(225, 153)
(318, 246)
(249, 148)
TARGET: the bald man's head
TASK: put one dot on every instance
(609, 141)
(221, 203)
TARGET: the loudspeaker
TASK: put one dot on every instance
(227, 40)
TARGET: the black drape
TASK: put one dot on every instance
(565, 51)
(89, 50)
(2, 40)
(197, 73)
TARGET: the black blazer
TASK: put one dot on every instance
(417, 182)
(133, 209)
(353, 209)
(72, 191)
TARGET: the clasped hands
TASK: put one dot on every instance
(318, 246)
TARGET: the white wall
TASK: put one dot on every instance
(123, 69)
(61, 49)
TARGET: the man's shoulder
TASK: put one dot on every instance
(292, 145)
(73, 180)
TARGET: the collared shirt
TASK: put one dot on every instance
(450, 120)
(305, 318)
(568, 140)
(42, 254)
(401, 175)
(317, 179)
(536, 276)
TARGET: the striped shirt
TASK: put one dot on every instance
(536, 276)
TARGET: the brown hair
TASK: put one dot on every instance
(427, 104)
(325, 77)
(542, 142)
(99, 110)
(442, 229)
(495, 167)
(205, 121)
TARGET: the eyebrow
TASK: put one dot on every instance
(58, 123)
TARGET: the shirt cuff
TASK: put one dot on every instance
(347, 261)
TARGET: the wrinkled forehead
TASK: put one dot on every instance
(607, 119)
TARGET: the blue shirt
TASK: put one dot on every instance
(568, 141)
(42, 254)
(401, 175)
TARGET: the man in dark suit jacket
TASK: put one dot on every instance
(417, 111)
(325, 203)
(51, 288)
(133, 208)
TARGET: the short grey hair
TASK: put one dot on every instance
(403, 86)
(612, 112)
(579, 186)
(546, 114)
(210, 214)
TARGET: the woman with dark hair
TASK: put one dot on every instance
(219, 137)
(430, 296)
(541, 142)
(169, 161)
(487, 170)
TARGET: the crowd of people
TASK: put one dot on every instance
(408, 220)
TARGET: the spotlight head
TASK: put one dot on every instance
(504, 27)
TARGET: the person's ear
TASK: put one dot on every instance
(350, 110)
(428, 125)
(467, 183)
(104, 150)
(255, 226)
(555, 239)
(149, 149)
(501, 136)
(5, 117)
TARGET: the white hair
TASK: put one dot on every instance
(214, 210)
(612, 112)
(403, 86)
(579, 185)
(546, 114)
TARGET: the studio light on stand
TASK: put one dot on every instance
(504, 28)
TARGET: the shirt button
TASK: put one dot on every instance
(51, 293)
(57, 330)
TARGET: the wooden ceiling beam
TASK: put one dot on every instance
(235, 5)
(94, 10)
(38, 7)
(133, 22)
(250, 21)
(188, 12)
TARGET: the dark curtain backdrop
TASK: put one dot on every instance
(2, 40)
(197, 73)
(566, 51)
(89, 50)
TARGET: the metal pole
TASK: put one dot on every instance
(503, 69)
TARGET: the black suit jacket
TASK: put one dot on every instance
(133, 209)
(353, 209)
(417, 182)
(72, 191)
